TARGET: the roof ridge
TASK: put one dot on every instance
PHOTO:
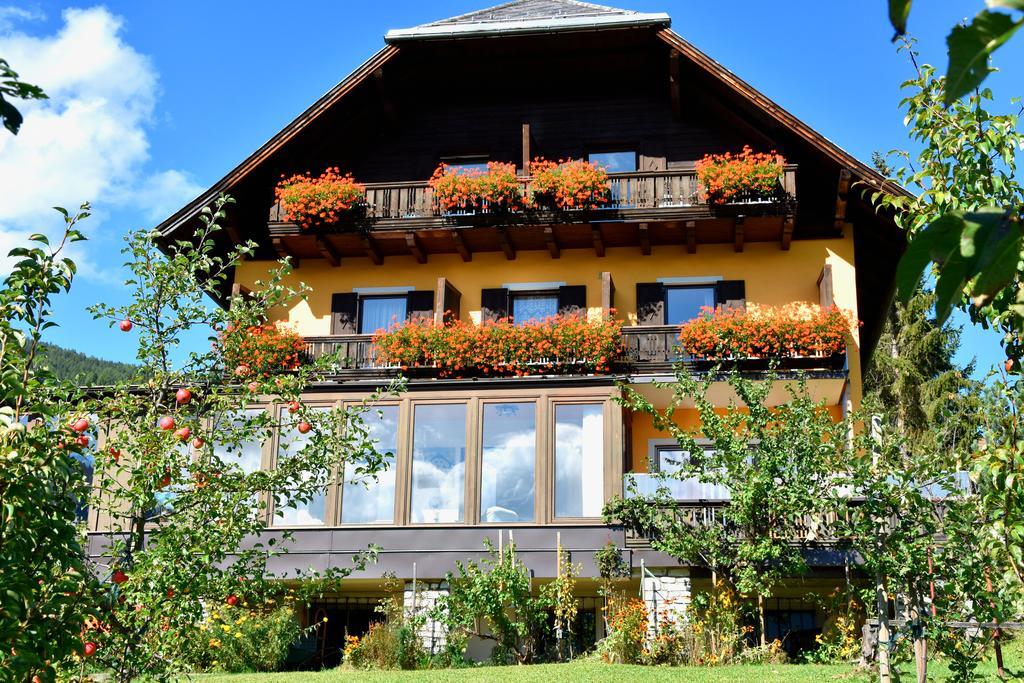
(487, 14)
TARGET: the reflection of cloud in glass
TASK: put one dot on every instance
(438, 464)
(248, 455)
(310, 514)
(365, 501)
(292, 441)
(507, 467)
(579, 460)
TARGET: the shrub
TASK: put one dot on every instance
(260, 350)
(568, 184)
(772, 653)
(718, 630)
(840, 640)
(377, 649)
(236, 639)
(309, 201)
(497, 189)
(457, 348)
(727, 177)
(766, 332)
(627, 624)
(392, 643)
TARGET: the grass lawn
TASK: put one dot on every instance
(605, 673)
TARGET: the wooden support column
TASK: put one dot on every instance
(461, 246)
(841, 193)
(415, 247)
(526, 149)
(595, 231)
(447, 299)
(674, 84)
(283, 250)
(239, 290)
(552, 241)
(506, 244)
(371, 250)
(607, 293)
(645, 239)
(737, 233)
(328, 251)
(691, 237)
(787, 232)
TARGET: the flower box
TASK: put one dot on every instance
(260, 350)
(568, 185)
(312, 202)
(467, 191)
(745, 178)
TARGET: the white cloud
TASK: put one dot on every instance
(9, 16)
(89, 141)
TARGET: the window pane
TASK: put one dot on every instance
(310, 513)
(685, 303)
(248, 455)
(533, 307)
(614, 162)
(672, 460)
(468, 167)
(365, 500)
(508, 457)
(381, 312)
(439, 463)
(579, 460)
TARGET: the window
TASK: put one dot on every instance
(533, 306)
(669, 459)
(381, 312)
(438, 463)
(684, 303)
(310, 512)
(466, 164)
(579, 459)
(614, 162)
(248, 455)
(365, 500)
(509, 449)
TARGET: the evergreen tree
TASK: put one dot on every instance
(84, 370)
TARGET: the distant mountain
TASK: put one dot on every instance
(85, 370)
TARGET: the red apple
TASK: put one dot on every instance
(115, 454)
(165, 480)
(197, 443)
(294, 407)
(242, 370)
(183, 434)
(80, 425)
(170, 592)
(126, 325)
(232, 600)
(304, 427)
(89, 649)
(1009, 365)
(166, 423)
(82, 440)
(183, 396)
(119, 577)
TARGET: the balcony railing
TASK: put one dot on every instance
(646, 349)
(640, 190)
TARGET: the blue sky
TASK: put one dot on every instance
(154, 101)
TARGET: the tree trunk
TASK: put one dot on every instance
(882, 600)
(760, 618)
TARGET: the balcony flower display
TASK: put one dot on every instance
(309, 201)
(260, 351)
(734, 177)
(496, 189)
(791, 331)
(561, 344)
(568, 184)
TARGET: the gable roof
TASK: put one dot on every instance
(530, 16)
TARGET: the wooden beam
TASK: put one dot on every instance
(552, 241)
(691, 237)
(415, 247)
(674, 83)
(737, 233)
(607, 293)
(371, 250)
(461, 246)
(283, 250)
(841, 194)
(506, 244)
(645, 239)
(328, 251)
(595, 231)
(526, 149)
(787, 232)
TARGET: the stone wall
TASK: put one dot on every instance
(431, 633)
(666, 593)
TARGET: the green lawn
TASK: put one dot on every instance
(604, 673)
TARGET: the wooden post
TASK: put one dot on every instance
(1000, 669)
(882, 604)
(526, 149)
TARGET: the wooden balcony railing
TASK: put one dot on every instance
(673, 189)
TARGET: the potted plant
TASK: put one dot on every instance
(459, 190)
(260, 350)
(745, 177)
(310, 202)
(568, 184)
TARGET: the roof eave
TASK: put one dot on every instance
(528, 27)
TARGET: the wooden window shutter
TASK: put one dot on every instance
(650, 303)
(572, 300)
(731, 294)
(420, 305)
(344, 310)
(493, 304)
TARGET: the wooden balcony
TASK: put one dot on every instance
(645, 208)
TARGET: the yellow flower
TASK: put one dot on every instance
(325, 620)
(238, 634)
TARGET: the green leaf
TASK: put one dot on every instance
(935, 243)
(1008, 4)
(969, 50)
(899, 11)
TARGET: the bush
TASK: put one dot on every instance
(627, 624)
(392, 643)
(772, 653)
(236, 639)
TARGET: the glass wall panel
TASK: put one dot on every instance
(247, 454)
(579, 460)
(507, 462)
(365, 500)
(438, 463)
(308, 513)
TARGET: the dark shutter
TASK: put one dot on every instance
(572, 300)
(650, 303)
(420, 305)
(493, 304)
(731, 294)
(452, 303)
(344, 307)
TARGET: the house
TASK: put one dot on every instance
(533, 457)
